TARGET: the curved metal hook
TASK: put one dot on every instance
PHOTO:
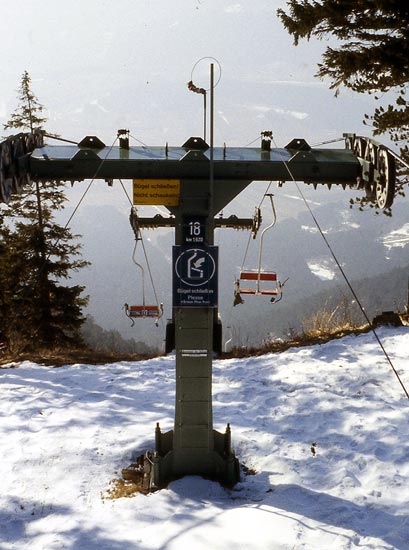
(126, 308)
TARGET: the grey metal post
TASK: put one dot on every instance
(195, 447)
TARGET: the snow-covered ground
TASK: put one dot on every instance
(65, 433)
(398, 238)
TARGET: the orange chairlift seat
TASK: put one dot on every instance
(262, 286)
(260, 282)
(144, 311)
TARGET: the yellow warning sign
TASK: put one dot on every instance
(164, 192)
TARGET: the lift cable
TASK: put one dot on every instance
(346, 279)
(335, 140)
(139, 141)
(89, 185)
(390, 151)
(140, 237)
(145, 146)
(397, 157)
(253, 141)
(58, 138)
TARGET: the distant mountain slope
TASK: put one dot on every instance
(365, 244)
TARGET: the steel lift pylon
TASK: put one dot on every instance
(201, 181)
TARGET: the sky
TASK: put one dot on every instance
(98, 66)
(323, 428)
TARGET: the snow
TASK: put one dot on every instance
(321, 269)
(398, 238)
(309, 229)
(66, 432)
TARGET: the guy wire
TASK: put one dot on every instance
(89, 185)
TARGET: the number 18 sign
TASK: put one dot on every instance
(194, 230)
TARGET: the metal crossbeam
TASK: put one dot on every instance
(364, 164)
(156, 221)
(324, 166)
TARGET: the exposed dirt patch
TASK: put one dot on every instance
(248, 471)
(121, 488)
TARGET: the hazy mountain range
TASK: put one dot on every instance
(366, 245)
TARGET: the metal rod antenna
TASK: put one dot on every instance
(211, 213)
(204, 116)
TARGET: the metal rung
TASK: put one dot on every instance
(254, 291)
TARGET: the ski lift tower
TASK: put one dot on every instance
(195, 182)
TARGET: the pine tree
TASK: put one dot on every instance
(35, 309)
(372, 55)
(28, 114)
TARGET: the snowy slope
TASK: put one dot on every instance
(66, 432)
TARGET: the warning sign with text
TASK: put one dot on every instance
(194, 276)
(156, 192)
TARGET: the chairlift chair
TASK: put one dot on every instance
(143, 311)
(263, 283)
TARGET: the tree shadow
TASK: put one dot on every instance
(110, 396)
(19, 529)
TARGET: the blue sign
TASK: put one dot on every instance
(195, 276)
